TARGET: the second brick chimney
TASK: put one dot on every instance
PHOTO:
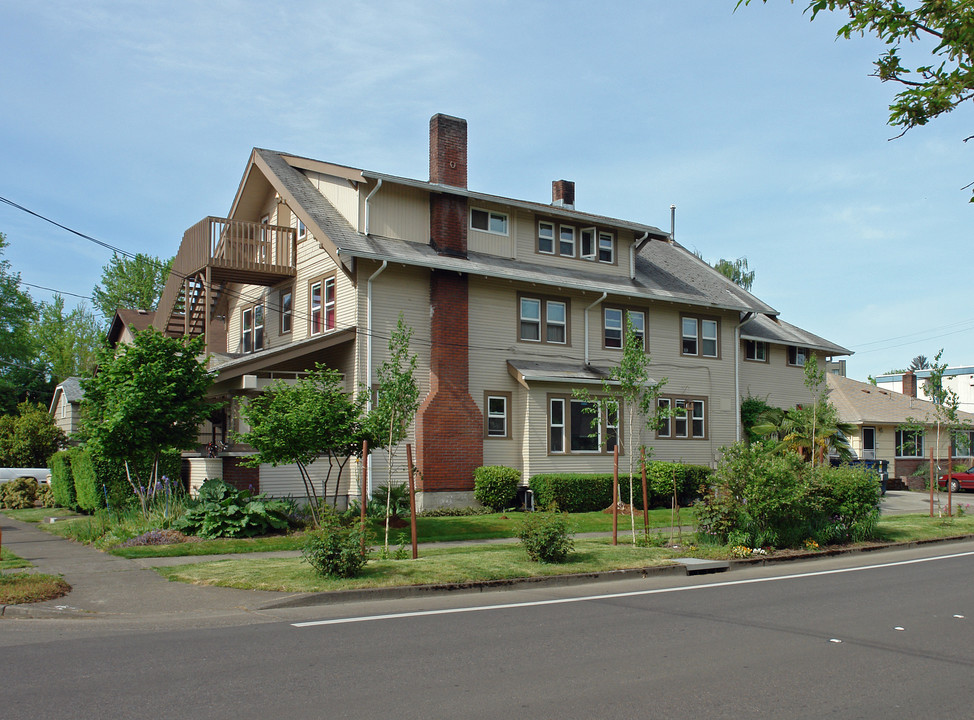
(910, 384)
(448, 166)
(563, 194)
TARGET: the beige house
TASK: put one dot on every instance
(66, 406)
(886, 423)
(513, 305)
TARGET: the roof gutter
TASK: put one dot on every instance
(737, 371)
(368, 207)
(604, 296)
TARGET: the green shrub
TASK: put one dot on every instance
(660, 478)
(45, 497)
(397, 496)
(336, 551)
(546, 536)
(62, 481)
(572, 492)
(221, 510)
(849, 498)
(18, 494)
(495, 486)
(86, 487)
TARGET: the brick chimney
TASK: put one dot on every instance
(449, 424)
(448, 166)
(563, 194)
(910, 384)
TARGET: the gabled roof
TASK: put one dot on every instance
(664, 271)
(776, 331)
(71, 389)
(862, 403)
(133, 319)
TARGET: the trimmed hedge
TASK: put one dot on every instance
(62, 481)
(86, 486)
(97, 481)
(588, 492)
(495, 486)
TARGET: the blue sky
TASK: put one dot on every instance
(131, 121)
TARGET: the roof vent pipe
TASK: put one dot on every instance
(672, 223)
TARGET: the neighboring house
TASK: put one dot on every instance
(882, 419)
(958, 379)
(513, 305)
(66, 406)
(126, 323)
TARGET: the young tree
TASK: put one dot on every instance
(135, 282)
(931, 87)
(815, 382)
(68, 343)
(146, 397)
(29, 438)
(630, 391)
(396, 404)
(298, 423)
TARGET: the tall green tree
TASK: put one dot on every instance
(300, 422)
(935, 80)
(396, 404)
(147, 397)
(29, 438)
(67, 342)
(135, 282)
(736, 271)
(631, 392)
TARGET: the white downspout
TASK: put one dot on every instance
(368, 346)
(737, 372)
(604, 296)
(367, 210)
(632, 255)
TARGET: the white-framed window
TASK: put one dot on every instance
(798, 355)
(287, 310)
(909, 443)
(868, 436)
(580, 426)
(252, 328)
(302, 230)
(963, 443)
(607, 244)
(586, 243)
(687, 418)
(699, 336)
(615, 326)
(488, 221)
(543, 320)
(756, 350)
(566, 241)
(321, 304)
(497, 416)
(546, 238)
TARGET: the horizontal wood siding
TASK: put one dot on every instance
(340, 192)
(527, 243)
(400, 212)
(285, 480)
(775, 382)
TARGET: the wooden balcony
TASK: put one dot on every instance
(215, 252)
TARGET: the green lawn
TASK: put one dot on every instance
(438, 566)
(36, 515)
(9, 561)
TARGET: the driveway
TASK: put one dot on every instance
(904, 502)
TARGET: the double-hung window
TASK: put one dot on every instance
(497, 415)
(586, 243)
(684, 418)
(700, 336)
(543, 320)
(566, 241)
(607, 245)
(546, 238)
(909, 443)
(488, 221)
(252, 328)
(286, 310)
(321, 296)
(580, 426)
(616, 323)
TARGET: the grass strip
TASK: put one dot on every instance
(36, 515)
(438, 566)
(9, 561)
(17, 588)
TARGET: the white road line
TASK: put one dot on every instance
(610, 596)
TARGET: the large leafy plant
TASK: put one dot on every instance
(222, 510)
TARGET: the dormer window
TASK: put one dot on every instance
(585, 243)
(488, 221)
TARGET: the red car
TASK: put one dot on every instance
(959, 480)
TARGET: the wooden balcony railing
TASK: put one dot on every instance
(230, 251)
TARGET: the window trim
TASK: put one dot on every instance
(553, 238)
(668, 426)
(699, 320)
(574, 240)
(755, 344)
(626, 311)
(302, 229)
(918, 443)
(612, 247)
(543, 321)
(507, 397)
(323, 309)
(565, 436)
(507, 221)
(285, 314)
(251, 310)
(794, 349)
